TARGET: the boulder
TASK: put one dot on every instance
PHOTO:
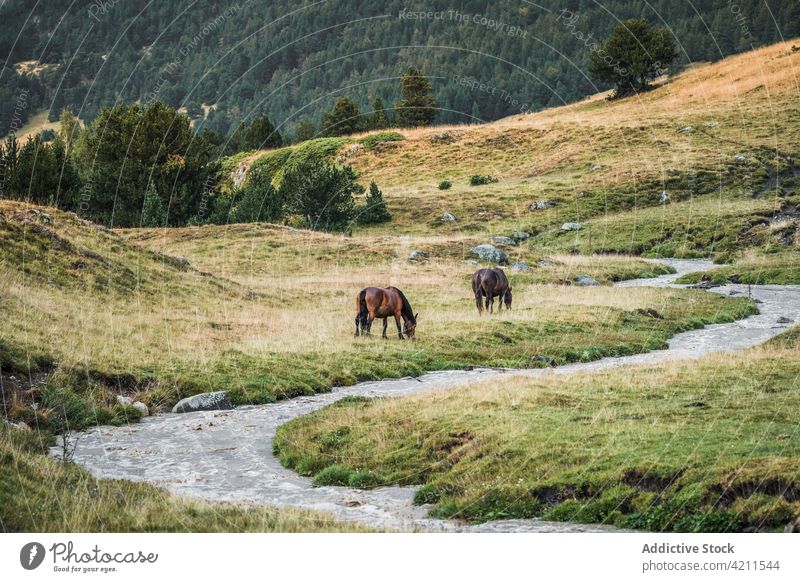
(417, 256)
(585, 281)
(207, 401)
(521, 266)
(142, 407)
(711, 123)
(705, 285)
(541, 205)
(491, 254)
(571, 226)
(537, 361)
(664, 198)
(447, 217)
(124, 400)
(17, 425)
(520, 235)
(503, 240)
(784, 320)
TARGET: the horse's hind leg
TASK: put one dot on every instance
(479, 302)
(358, 321)
(385, 323)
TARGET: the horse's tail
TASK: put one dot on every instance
(361, 306)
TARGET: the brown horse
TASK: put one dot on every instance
(488, 284)
(373, 302)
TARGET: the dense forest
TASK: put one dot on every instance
(225, 62)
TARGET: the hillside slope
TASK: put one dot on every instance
(706, 162)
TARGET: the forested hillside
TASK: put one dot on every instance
(292, 60)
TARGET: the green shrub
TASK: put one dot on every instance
(478, 180)
(372, 141)
(445, 185)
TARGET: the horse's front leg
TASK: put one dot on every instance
(385, 323)
(399, 326)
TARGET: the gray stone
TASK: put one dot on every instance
(207, 401)
(521, 266)
(705, 285)
(472, 262)
(491, 254)
(520, 235)
(585, 281)
(503, 240)
(571, 226)
(544, 263)
(547, 360)
(417, 256)
(447, 217)
(597, 167)
(142, 407)
(17, 425)
(124, 400)
(541, 205)
(687, 129)
(740, 158)
(785, 320)
(711, 123)
(664, 198)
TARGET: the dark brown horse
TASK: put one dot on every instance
(488, 284)
(374, 302)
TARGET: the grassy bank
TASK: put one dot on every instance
(780, 268)
(698, 446)
(39, 494)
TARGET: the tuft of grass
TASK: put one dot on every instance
(705, 446)
(754, 268)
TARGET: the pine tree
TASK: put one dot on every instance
(380, 119)
(417, 107)
(343, 119)
(374, 211)
(153, 213)
(305, 130)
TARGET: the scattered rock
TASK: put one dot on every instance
(503, 240)
(672, 171)
(571, 226)
(544, 263)
(521, 266)
(705, 285)
(491, 254)
(207, 401)
(784, 320)
(142, 407)
(664, 198)
(17, 425)
(472, 262)
(520, 235)
(740, 158)
(758, 301)
(417, 256)
(542, 359)
(541, 205)
(731, 293)
(124, 400)
(687, 129)
(597, 167)
(447, 217)
(711, 123)
(585, 281)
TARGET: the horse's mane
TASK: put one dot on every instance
(408, 313)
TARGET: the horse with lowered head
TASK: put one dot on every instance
(374, 302)
(488, 284)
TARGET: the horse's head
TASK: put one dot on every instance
(508, 298)
(410, 326)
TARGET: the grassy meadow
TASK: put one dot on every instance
(711, 445)
(266, 312)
